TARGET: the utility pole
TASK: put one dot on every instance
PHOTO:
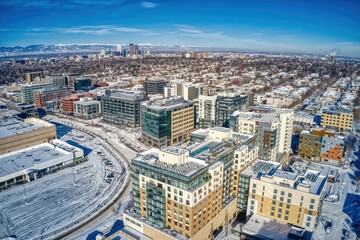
(26, 200)
(73, 173)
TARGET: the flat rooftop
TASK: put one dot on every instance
(336, 110)
(263, 117)
(13, 126)
(286, 175)
(312, 180)
(220, 129)
(166, 103)
(127, 95)
(207, 150)
(29, 157)
(151, 157)
(301, 167)
(265, 228)
(173, 150)
(86, 103)
(200, 131)
(261, 167)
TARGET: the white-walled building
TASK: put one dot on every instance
(27, 164)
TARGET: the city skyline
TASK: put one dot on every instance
(295, 26)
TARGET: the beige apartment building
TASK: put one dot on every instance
(189, 191)
(285, 197)
(337, 118)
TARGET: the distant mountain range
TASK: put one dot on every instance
(41, 49)
(59, 48)
(97, 47)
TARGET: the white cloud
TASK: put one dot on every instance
(93, 30)
(191, 31)
(149, 5)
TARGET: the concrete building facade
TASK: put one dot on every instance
(27, 91)
(87, 108)
(272, 128)
(154, 87)
(123, 107)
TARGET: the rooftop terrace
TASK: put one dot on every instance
(151, 157)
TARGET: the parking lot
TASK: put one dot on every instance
(60, 200)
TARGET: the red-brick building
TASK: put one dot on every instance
(42, 96)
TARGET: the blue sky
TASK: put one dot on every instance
(310, 26)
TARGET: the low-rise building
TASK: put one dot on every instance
(87, 108)
(67, 103)
(27, 91)
(16, 134)
(45, 95)
(321, 145)
(28, 164)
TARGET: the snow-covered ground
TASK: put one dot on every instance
(60, 200)
(344, 213)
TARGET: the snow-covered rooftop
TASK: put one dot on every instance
(14, 127)
(265, 228)
(37, 157)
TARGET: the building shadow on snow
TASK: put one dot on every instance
(86, 150)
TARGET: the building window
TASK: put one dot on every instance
(279, 215)
(311, 201)
(272, 213)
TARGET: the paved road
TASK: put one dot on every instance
(84, 229)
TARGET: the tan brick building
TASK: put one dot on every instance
(16, 134)
(284, 196)
(337, 118)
